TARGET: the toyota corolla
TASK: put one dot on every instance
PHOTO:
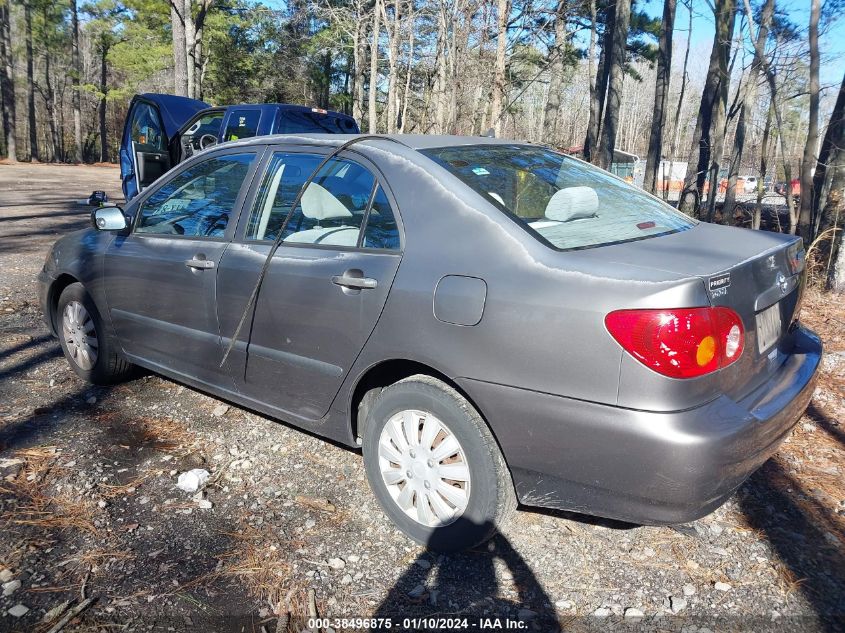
(491, 322)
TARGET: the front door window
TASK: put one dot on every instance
(199, 201)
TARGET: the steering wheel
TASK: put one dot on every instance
(207, 140)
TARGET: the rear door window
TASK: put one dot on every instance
(242, 124)
(564, 202)
(341, 199)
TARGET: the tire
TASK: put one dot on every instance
(78, 322)
(473, 507)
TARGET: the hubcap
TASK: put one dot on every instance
(80, 335)
(424, 468)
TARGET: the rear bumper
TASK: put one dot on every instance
(638, 466)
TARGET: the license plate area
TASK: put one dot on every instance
(768, 327)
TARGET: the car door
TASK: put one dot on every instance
(152, 122)
(160, 277)
(326, 285)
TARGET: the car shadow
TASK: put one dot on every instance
(804, 535)
(832, 427)
(492, 581)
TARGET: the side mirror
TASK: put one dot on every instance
(109, 219)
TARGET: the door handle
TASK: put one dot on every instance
(199, 264)
(348, 280)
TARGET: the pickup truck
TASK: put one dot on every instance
(162, 130)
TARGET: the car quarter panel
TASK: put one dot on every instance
(542, 326)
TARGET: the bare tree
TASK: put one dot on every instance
(180, 51)
(556, 65)
(757, 216)
(684, 77)
(616, 72)
(76, 69)
(373, 116)
(7, 81)
(598, 81)
(661, 94)
(498, 97)
(829, 194)
(748, 97)
(30, 84)
(392, 26)
(808, 162)
(709, 124)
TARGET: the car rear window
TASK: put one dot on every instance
(302, 121)
(564, 202)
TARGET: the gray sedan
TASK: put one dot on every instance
(491, 322)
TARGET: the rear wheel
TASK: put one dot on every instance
(434, 466)
(90, 350)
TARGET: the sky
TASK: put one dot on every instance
(831, 42)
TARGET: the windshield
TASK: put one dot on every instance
(564, 202)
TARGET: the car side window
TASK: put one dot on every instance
(330, 212)
(198, 201)
(146, 129)
(242, 124)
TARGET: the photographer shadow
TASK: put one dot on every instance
(466, 584)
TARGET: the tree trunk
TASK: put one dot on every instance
(180, 52)
(392, 65)
(373, 117)
(756, 218)
(49, 97)
(408, 71)
(190, 45)
(104, 146)
(498, 96)
(616, 74)
(358, 73)
(76, 69)
(808, 162)
(440, 72)
(748, 98)
(713, 101)
(832, 145)
(677, 124)
(661, 94)
(598, 85)
(30, 85)
(829, 192)
(548, 128)
(784, 154)
(7, 81)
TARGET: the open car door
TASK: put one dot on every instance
(153, 120)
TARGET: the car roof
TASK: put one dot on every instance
(290, 107)
(413, 141)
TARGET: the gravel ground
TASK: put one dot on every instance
(89, 508)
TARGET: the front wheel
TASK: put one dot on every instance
(91, 351)
(434, 466)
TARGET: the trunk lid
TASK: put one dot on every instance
(757, 274)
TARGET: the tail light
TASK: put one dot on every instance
(682, 342)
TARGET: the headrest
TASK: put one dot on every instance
(573, 203)
(319, 204)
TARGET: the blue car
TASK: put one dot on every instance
(163, 130)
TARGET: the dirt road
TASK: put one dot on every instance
(89, 506)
